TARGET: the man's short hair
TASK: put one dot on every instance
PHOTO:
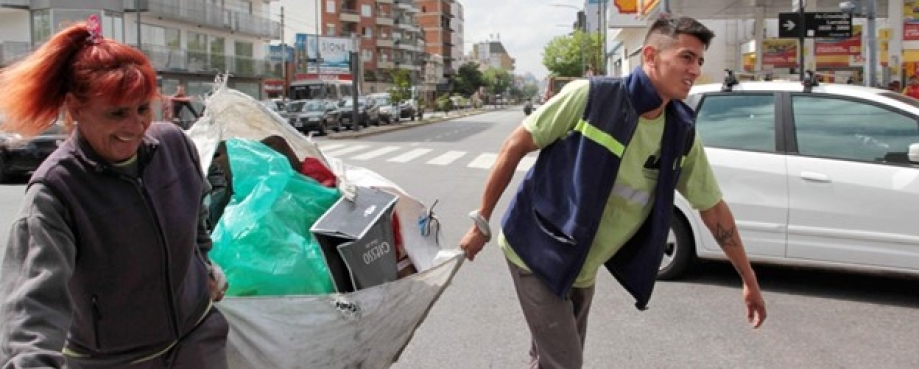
(665, 30)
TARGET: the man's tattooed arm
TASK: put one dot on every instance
(726, 236)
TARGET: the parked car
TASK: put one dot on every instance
(314, 115)
(278, 106)
(824, 176)
(408, 109)
(20, 156)
(364, 117)
(389, 111)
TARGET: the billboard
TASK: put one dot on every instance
(624, 14)
(329, 56)
(780, 53)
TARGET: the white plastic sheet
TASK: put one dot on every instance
(365, 329)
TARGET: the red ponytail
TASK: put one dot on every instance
(70, 62)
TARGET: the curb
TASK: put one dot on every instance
(372, 130)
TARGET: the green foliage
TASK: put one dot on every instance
(569, 55)
(444, 103)
(530, 91)
(402, 84)
(497, 80)
(468, 79)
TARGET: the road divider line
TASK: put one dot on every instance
(483, 161)
(526, 163)
(347, 150)
(328, 147)
(375, 153)
(409, 156)
(447, 158)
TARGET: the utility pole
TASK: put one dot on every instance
(137, 11)
(599, 38)
(318, 53)
(801, 34)
(283, 59)
(872, 57)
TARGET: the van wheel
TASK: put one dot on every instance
(679, 251)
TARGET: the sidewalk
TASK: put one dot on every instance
(429, 118)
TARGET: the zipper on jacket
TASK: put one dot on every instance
(170, 298)
(97, 316)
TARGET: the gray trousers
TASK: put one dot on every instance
(202, 348)
(558, 326)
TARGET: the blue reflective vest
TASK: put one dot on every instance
(552, 220)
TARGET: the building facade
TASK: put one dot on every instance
(188, 41)
(436, 19)
(492, 54)
(388, 37)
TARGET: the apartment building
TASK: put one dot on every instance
(492, 54)
(188, 41)
(436, 19)
(387, 33)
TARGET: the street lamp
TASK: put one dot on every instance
(583, 27)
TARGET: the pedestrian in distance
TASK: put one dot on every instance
(912, 88)
(181, 101)
(601, 193)
(106, 265)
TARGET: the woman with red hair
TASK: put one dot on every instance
(106, 264)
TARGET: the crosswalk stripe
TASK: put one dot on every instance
(346, 150)
(483, 161)
(329, 147)
(526, 163)
(447, 158)
(375, 153)
(409, 156)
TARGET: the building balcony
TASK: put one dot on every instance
(406, 5)
(350, 16)
(384, 1)
(11, 51)
(384, 20)
(21, 4)
(189, 61)
(203, 13)
(384, 42)
(386, 64)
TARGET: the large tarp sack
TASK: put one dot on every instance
(364, 329)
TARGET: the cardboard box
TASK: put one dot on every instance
(357, 240)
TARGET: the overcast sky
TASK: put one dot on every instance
(524, 26)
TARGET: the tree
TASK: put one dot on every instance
(569, 55)
(497, 81)
(468, 79)
(401, 85)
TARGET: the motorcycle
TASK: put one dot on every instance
(528, 108)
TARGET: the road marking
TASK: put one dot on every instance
(447, 158)
(349, 149)
(409, 156)
(483, 161)
(526, 163)
(376, 153)
(329, 147)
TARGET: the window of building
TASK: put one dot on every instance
(242, 6)
(366, 55)
(330, 30)
(218, 53)
(368, 32)
(330, 6)
(113, 25)
(41, 26)
(366, 11)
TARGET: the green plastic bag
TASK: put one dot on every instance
(263, 240)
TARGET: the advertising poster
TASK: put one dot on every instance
(624, 14)
(840, 52)
(300, 59)
(780, 53)
(333, 56)
(910, 20)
